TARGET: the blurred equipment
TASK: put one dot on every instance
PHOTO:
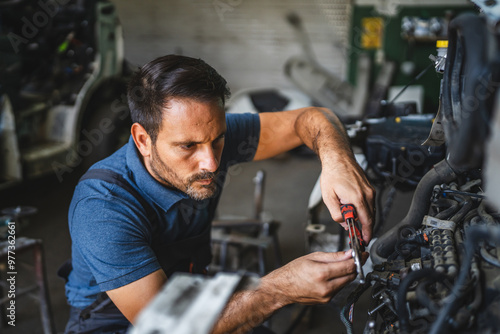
(423, 29)
(187, 304)
(266, 100)
(12, 245)
(326, 88)
(19, 214)
(61, 75)
(19, 211)
(23, 244)
(242, 243)
(492, 159)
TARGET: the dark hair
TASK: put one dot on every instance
(167, 77)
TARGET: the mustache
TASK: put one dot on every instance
(205, 175)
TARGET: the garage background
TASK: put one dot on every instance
(247, 41)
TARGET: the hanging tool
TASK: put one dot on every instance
(356, 241)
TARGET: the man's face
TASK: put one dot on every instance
(189, 146)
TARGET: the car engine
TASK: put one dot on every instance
(444, 274)
(438, 269)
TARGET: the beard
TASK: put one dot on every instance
(170, 178)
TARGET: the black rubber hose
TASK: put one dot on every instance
(478, 297)
(385, 210)
(379, 208)
(472, 213)
(448, 212)
(494, 261)
(468, 65)
(423, 296)
(441, 173)
(345, 319)
(404, 318)
(444, 202)
(464, 210)
(474, 234)
(466, 312)
(485, 216)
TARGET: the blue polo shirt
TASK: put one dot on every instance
(110, 231)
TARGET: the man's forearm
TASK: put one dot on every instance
(342, 179)
(248, 308)
(311, 279)
(321, 130)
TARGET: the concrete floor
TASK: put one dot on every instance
(290, 180)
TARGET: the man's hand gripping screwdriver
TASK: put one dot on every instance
(356, 240)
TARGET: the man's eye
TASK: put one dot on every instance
(219, 140)
(187, 146)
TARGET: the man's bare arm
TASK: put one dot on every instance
(342, 179)
(311, 279)
(132, 298)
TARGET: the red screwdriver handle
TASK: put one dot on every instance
(348, 211)
(360, 238)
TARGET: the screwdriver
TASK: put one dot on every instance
(356, 241)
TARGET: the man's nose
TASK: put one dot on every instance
(208, 160)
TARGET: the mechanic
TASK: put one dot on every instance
(145, 212)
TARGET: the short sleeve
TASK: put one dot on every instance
(113, 241)
(242, 138)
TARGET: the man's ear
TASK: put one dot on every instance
(142, 139)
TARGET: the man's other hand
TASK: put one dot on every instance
(311, 279)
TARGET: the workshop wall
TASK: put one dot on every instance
(247, 41)
(410, 54)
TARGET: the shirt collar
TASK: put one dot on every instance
(164, 197)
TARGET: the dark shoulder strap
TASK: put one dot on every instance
(113, 178)
(109, 176)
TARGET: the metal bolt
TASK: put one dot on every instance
(416, 266)
(378, 307)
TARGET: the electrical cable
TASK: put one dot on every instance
(409, 83)
(458, 192)
(353, 298)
